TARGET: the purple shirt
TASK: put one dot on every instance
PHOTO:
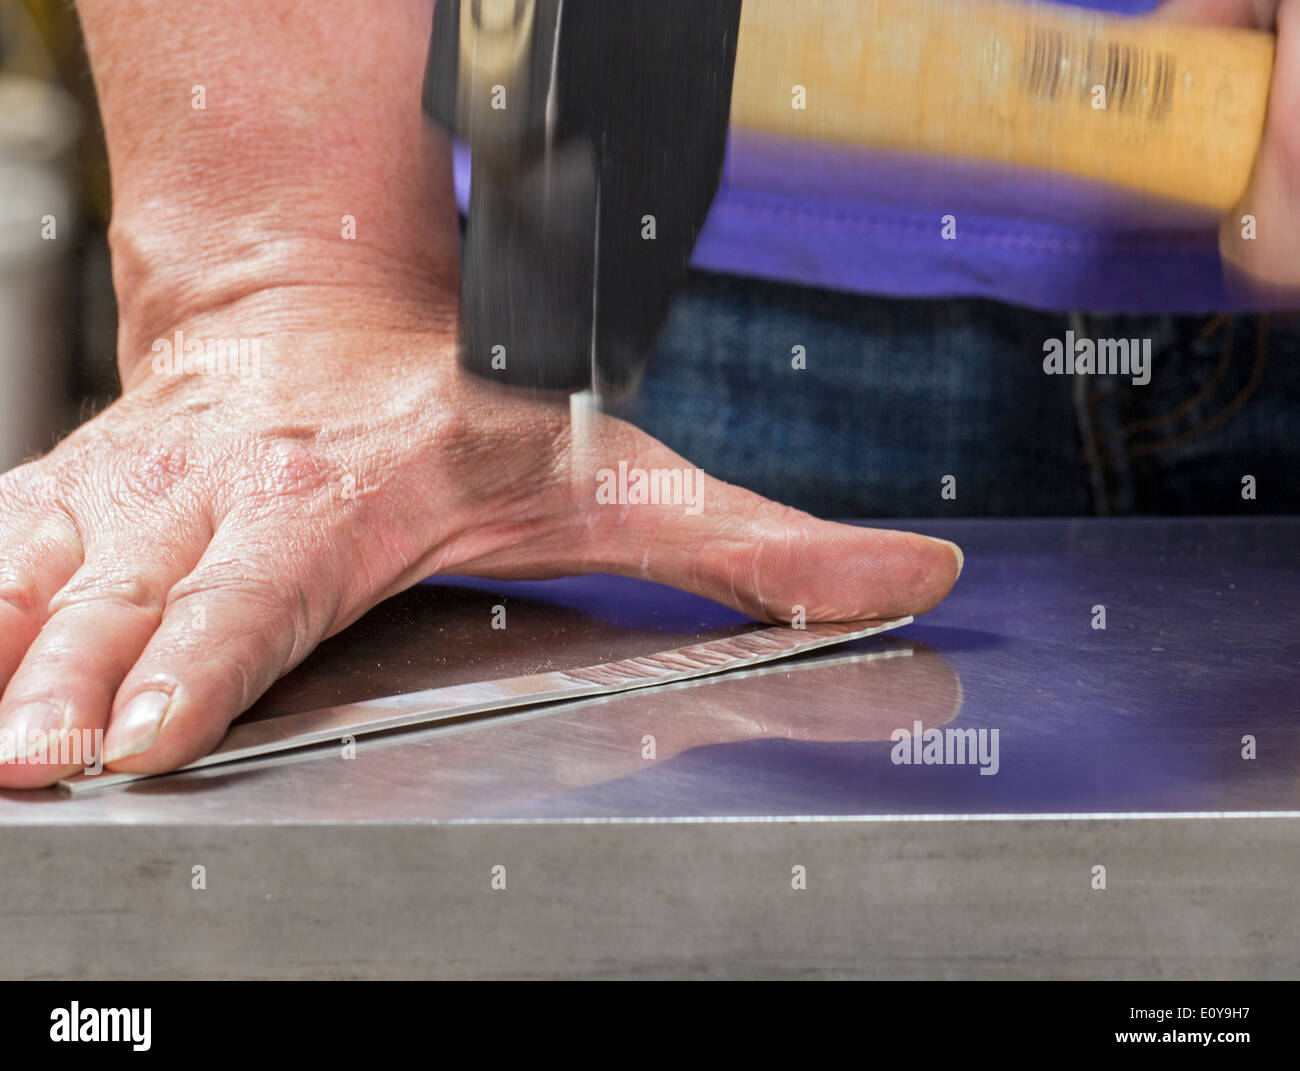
(849, 219)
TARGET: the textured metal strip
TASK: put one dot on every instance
(245, 741)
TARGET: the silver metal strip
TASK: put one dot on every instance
(246, 741)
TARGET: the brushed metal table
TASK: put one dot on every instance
(1134, 812)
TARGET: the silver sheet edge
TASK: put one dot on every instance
(275, 735)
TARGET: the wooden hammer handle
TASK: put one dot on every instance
(1163, 107)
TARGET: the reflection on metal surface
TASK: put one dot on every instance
(1145, 718)
(507, 765)
(291, 731)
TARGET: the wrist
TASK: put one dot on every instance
(379, 249)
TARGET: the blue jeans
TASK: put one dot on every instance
(897, 395)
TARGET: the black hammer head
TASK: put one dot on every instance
(597, 130)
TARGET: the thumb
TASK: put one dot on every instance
(1268, 251)
(731, 545)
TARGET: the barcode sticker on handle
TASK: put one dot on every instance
(1134, 79)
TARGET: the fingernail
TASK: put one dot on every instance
(961, 558)
(136, 727)
(41, 717)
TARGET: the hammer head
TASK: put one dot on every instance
(597, 132)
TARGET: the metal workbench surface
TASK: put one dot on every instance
(658, 832)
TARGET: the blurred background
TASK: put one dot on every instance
(57, 315)
(921, 387)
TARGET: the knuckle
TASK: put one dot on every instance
(27, 488)
(154, 471)
(20, 591)
(295, 469)
(88, 589)
(282, 470)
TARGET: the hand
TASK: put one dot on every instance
(174, 556)
(1272, 257)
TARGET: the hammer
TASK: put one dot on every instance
(597, 131)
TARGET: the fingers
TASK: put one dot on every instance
(1261, 236)
(39, 551)
(98, 623)
(36, 559)
(1247, 14)
(166, 632)
(637, 509)
(1272, 255)
(776, 563)
(734, 546)
(252, 608)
